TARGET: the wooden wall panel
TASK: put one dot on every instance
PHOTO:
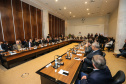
(7, 20)
(39, 22)
(1, 36)
(33, 22)
(59, 27)
(50, 24)
(18, 22)
(53, 26)
(63, 27)
(56, 26)
(26, 17)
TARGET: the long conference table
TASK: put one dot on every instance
(48, 75)
(9, 59)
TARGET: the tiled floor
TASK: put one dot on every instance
(13, 75)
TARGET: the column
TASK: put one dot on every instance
(121, 26)
(45, 29)
(106, 26)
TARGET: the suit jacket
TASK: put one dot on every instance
(88, 59)
(88, 49)
(102, 76)
(27, 44)
(7, 47)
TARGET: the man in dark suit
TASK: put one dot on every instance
(41, 41)
(7, 46)
(24, 42)
(29, 44)
(88, 48)
(100, 74)
(87, 60)
(123, 51)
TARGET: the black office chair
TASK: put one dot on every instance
(119, 77)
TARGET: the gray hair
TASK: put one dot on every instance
(99, 61)
(96, 44)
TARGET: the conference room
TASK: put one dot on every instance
(62, 42)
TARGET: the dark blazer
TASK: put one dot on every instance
(7, 47)
(27, 44)
(88, 60)
(89, 57)
(102, 76)
(88, 50)
(40, 42)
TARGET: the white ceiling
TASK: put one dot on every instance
(78, 8)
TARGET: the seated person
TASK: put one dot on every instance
(109, 43)
(61, 36)
(57, 39)
(87, 60)
(24, 42)
(29, 44)
(123, 51)
(41, 41)
(1, 47)
(17, 46)
(7, 46)
(100, 74)
(81, 37)
(50, 40)
(36, 42)
(54, 40)
(88, 48)
(47, 40)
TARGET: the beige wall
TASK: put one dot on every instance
(113, 24)
(74, 24)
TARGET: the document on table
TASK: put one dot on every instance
(79, 54)
(64, 72)
(76, 58)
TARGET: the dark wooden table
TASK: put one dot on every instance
(49, 76)
(22, 55)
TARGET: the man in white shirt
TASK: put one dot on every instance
(109, 43)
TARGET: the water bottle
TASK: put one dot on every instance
(71, 55)
(67, 54)
(56, 63)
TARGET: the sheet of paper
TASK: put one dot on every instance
(77, 59)
(79, 54)
(61, 72)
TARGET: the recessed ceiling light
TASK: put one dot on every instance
(87, 9)
(56, 0)
(85, 2)
(106, 1)
(73, 15)
(64, 7)
(88, 13)
(70, 12)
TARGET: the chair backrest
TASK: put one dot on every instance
(104, 54)
(119, 77)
